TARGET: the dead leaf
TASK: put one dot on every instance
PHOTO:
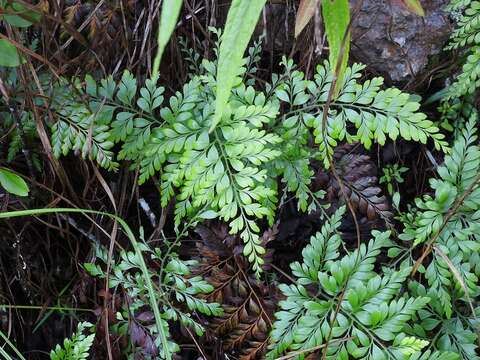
(305, 12)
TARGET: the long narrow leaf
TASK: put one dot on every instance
(336, 16)
(168, 20)
(241, 21)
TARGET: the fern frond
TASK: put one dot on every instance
(371, 314)
(454, 226)
(457, 334)
(468, 26)
(377, 114)
(466, 34)
(77, 347)
(85, 131)
(469, 79)
(179, 294)
(220, 171)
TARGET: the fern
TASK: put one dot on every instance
(77, 347)
(83, 128)
(376, 114)
(230, 172)
(343, 302)
(178, 290)
(458, 334)
(466, 34)
(451, 218)
(91, 128)
(218, 171)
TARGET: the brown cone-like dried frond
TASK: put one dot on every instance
(358, 175)
(247, 302)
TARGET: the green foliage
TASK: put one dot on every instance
(17, 14)
(336, 16)
(217, 173)
(77, 347)
(91, 128)
(469, 79)
(459, 334)
(376, 114)
(466, 34)
(392, 174)
(342, 301)
(451, 218)
(9, 54)
(13, 183)
(230, 172)
(242, 18)
(178, 293)
(168, 21)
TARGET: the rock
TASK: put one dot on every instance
(390, 40)
(396, 43)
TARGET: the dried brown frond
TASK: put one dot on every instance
(247, 302)
(358, 174)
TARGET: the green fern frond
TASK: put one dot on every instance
(376, 114)
(179, 294)
(452, 217)
(370, 311)
(466, 34)
(469, 79)
(85, 131)
(77, 347)
(458, 334)
(219, 172)
(468, 26)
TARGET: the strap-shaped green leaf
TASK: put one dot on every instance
(241, 20)
(168, 20)
(336, 16)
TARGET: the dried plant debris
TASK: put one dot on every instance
(358, 175)
(248, 303)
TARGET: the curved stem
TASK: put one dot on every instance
(143, 266)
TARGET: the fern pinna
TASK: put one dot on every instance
(466, 35)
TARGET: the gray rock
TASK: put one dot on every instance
(396, 43)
